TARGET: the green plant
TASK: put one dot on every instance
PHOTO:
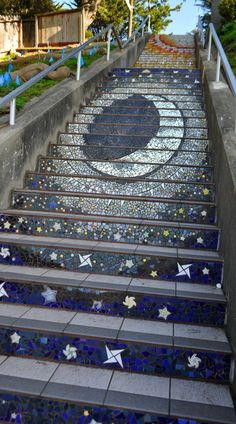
(88, 34)
(227, 9)
(227, 36)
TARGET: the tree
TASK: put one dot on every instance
(227, 9)
(27, 8)
(111, 11)
(206, 6)
(159, 10)
(118, 12)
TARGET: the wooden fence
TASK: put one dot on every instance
(59, 28)
(54, 29)
(10, 33)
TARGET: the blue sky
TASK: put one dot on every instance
(185, 20)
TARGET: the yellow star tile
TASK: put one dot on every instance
(153, 274)
(7, 225)
(181, 211)
(39, 229)
(205, 191)
(166, 233)
(86, 413)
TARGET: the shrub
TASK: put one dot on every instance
(227, 9)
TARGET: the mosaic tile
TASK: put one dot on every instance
(155, 120)
(91, 147)
(158, 268)
(144, 306)
(28, 410)
(109, 231)
(121, 187)
(142, 111)
(128, 169)
(141, 102)
(134, 357)
(161, 210)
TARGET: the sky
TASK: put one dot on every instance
(185, 20)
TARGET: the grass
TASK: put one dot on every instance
(227, 36)
(45, 84)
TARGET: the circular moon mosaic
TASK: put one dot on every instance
(140, 149)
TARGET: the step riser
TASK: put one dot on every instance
(125, 169)
(142, 103)
(138, 358)
(152, 91)
(61, 412)
(115, 143)
(152, 131)
(104, 231)
(177, 212)
(157, 121)
(169, 100)
(108, 262)
(151, 83)
(148, 111)
(111, 303)
(171, 190)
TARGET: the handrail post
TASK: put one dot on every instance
(108, 44)
(142, 31)
(78, 66)
(209, 46)
(134, 37)
(13, 112)
(218, 64)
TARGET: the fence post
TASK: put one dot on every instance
(13, 111)
(209, 47)
(218, 67)
(78, 66)
(108, 44)
(36, 31)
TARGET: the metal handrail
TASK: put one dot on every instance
(11, 97)
(221, 59)
(135, 32)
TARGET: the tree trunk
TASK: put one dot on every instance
(215, 15)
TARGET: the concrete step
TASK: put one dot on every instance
(132, 96)
(174, 71)
(159, 348)
(114, 142)
(172, 171)
(141, 112)
(155, 91)
(165, 301)
(151, 188)
(70, 392)
(153, 83)
(122, 230)
(119, 206)
(159, 263)
(143, 130)
(156, 120)
(142, 101)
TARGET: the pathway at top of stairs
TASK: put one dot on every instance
(112, 306)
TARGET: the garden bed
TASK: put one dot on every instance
(45, 84)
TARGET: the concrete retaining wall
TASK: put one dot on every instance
(43, 118)
(221, 107)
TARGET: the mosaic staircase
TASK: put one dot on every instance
(112, 308)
